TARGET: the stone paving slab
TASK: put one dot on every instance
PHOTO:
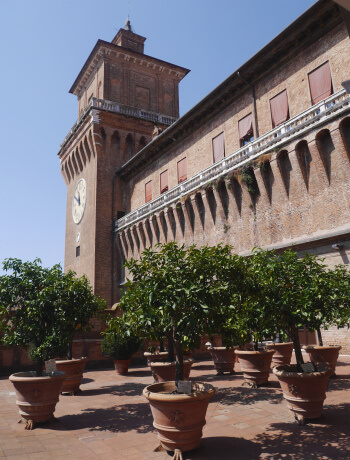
(111, 420)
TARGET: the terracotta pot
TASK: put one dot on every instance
(224, 359)
(178, 418)
(165, 372)
(283, 352)
(122, 366)
(155, 357)
(326, 354)
(255, 366)
(37, 396)
(74, 369)
(304, 392)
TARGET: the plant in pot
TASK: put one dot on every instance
(332, 294)
(33, 315)
(287, 283)
(231, 273)
(120, 343)
(79, 305)
(171, 291)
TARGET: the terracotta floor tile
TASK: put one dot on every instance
(111, 420)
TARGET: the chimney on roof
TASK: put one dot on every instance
(128, 39)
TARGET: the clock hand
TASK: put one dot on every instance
(77, 200)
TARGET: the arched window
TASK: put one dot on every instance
(129, 146)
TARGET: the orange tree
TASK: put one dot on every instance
(299, 291)
(179, 293)
(42, 308)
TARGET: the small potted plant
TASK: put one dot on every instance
(120, 344)
(177, 291)
(32, 315)
(156, 354)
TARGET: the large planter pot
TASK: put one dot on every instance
(283, 353)
(37, 396)
(325, 354)
(178, 418)
(224, 359)
(304, 392)
(165, 372)
(74, 369)
(255, 366)
(155, 357)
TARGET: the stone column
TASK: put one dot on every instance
(141, 236)
(197, 227)
(208, 220)
(162, 232)
(124, 243)
(318, 176)
(153, 223)
(145, 228)
(179, 230)
(220, 207)
(169, 224)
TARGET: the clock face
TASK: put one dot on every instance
(79, 201)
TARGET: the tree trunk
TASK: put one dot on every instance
(39, 367)
(161, 345)
(179, 364)
(171, 351)
(70, 350)
(319, 336)
(297, 348)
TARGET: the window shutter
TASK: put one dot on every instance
(279, 108)
(182, 170)
(148, 191)
(218, 147)
(245, 127)
(164, 181)
(320, 82)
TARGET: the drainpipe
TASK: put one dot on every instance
(256, 126)
(112, 261)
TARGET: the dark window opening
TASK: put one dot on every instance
(77, 251)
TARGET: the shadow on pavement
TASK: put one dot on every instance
(124, 389)
(224, 448)
(316, 440)
(119, 419)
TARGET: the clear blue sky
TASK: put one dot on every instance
(43, 46)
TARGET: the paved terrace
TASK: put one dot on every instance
(111, 420)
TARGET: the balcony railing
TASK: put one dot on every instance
(115, 107)
(317, 115)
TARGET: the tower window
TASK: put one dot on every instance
(245, 130)
(219, 147)
(77, 251)
(148, 191)
(182, 170)
(320, 82)
(279, 108)
(164, 182)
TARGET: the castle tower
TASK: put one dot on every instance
(123, 95)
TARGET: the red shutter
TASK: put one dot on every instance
(148, 191)
(182, 170)
(279, 108)
(219, 147)
(164, 182)
(245, 127)
(320, 82)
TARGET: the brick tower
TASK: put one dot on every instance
(124, 96)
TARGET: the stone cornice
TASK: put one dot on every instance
(316, 22)
(103, 48)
